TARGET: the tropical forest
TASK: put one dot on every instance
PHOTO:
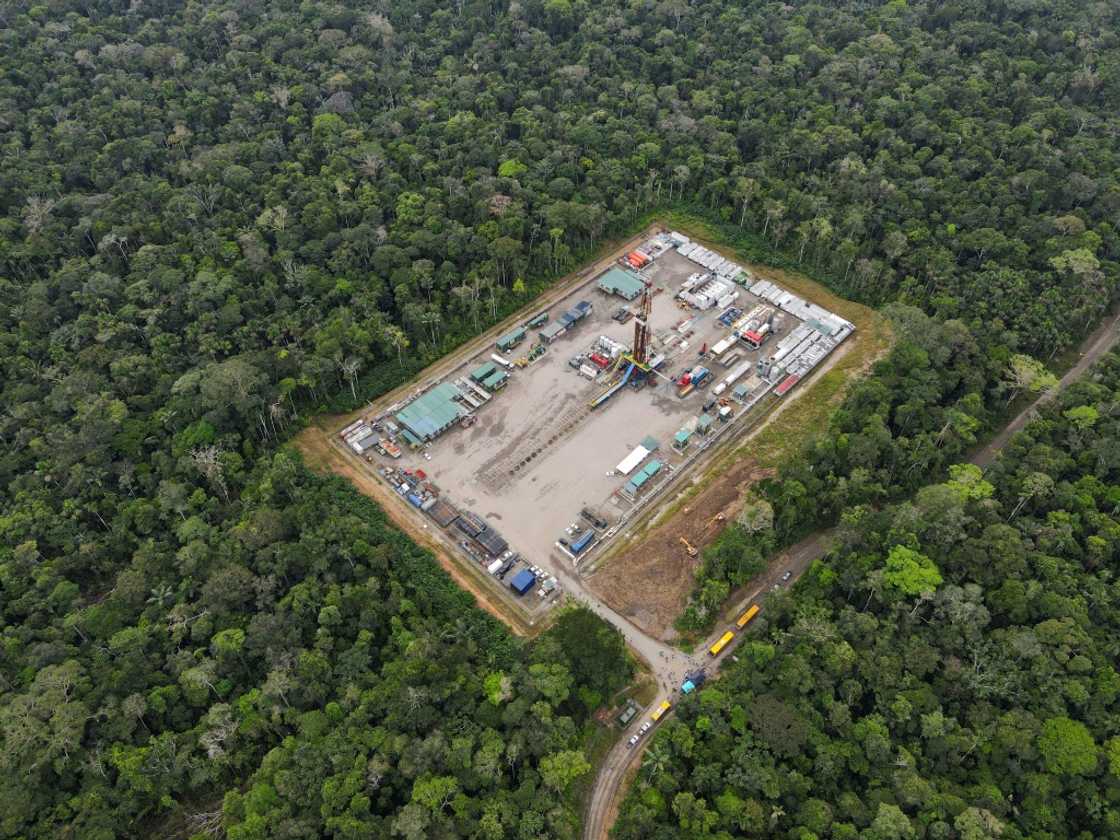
(221, 220)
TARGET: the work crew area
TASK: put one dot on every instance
(533, 453)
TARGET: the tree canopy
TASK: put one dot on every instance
(982, 704)
(219, 217)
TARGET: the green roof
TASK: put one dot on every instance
(494, 379)
(682, 436)
(637, 481)
(650, 443)
(482, 371)
(511, 338)
(704, 421)
(432, 412)
(622, 283)
(645, 474)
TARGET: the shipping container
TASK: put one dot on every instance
(722, 345)
(415, 500)
(494, 567)
(511, 339)
(523, 581)
(582, 542)
(788, 383)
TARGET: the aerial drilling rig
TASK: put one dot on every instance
(634, 368)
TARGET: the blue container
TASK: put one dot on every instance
(523, 581)
(584, 541)
(416, 500)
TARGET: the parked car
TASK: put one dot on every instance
(633, 740)
(786, 576)
(645, 727)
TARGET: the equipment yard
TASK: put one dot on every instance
(534, 453)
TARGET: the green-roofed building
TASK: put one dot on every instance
(625, 284)
(704, 423)
(495, 380)
(681, 438)
(634, 485)
(432, 413)
(483, 371)
(511, 339)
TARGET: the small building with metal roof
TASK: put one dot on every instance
(552, 331)
(511, 339)
(625, 284)
(443, 513)
(493, 542)
(704, 423)
(495, 381)
(483, 371)
(638, 481)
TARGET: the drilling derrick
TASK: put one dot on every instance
(641, 327)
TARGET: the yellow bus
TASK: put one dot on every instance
(660, 710)
(721, 644)
(746, 617)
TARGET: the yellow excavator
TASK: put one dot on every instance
(689, 547)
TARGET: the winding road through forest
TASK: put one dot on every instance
(670, 664)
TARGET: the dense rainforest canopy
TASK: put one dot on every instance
(948, 671)
(217, 216)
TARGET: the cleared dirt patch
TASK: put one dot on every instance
(649, 581)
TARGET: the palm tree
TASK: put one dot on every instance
(656, 760)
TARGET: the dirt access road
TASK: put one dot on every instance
(1099, 342)
(605, 798)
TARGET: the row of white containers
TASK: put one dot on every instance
(710, 259)
(834, 325)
